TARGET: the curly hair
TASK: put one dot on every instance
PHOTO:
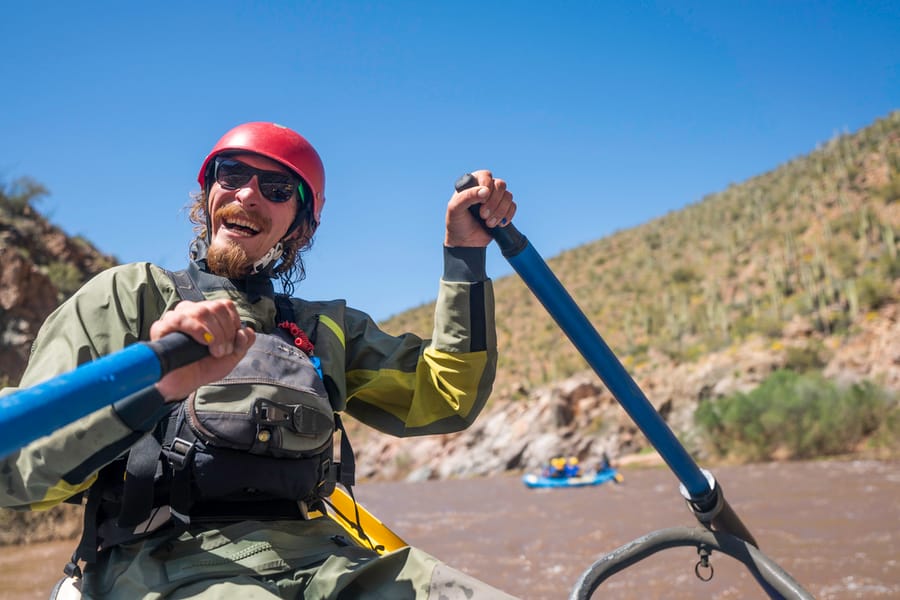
(290, 269)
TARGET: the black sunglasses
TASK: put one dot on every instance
(278, 187)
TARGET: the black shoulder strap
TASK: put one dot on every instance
(86, 549)
(185, 286)
(140, 472)
(284, 308)
(347, 467)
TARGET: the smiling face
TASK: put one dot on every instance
(245, 224)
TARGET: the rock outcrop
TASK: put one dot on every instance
(32, 253)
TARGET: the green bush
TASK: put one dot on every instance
(18, 197)
(796, 416)
(874, 292)
(889, 265)
(66, 277)
(767, 324)
(891, 192)
(805, 358)
(684, 274)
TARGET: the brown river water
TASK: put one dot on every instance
(834, 526)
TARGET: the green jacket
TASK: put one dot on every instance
(401, 385)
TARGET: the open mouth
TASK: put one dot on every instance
(241, 226)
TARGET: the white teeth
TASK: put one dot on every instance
(241, 223)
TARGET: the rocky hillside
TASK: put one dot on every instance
(40, 265)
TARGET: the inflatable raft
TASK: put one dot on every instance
(602, 476)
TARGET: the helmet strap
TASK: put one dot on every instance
(208, 186)
(268, 258)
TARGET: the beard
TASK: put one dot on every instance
(230, 259)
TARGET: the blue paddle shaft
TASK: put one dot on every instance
(547, 288)
(704, 496)
(551, 293)
(29, 414)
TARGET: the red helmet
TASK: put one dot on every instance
(280, 144)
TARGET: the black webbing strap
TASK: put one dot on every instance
(185, 286)
(178, 448)
(140, 472)
(347, 467)
(88, 544)
(284, 309)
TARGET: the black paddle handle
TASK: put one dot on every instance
(508, 238)
(176, 350)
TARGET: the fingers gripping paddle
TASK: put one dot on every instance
(697, 486)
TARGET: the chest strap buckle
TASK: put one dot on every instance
(179, 452)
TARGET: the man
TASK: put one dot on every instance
(202, 485)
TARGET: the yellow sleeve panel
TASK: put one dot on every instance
(61, 492)
(444, 387)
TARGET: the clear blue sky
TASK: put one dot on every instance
(601, 115)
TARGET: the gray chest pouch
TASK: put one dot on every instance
(273, 403)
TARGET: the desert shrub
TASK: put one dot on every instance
(805, 358)
(683, 275)
(795, 416)
(891, 192)
(874, 292)
(20, 196)
(65, 277)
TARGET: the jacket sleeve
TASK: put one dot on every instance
(408, 386)
(111, 311)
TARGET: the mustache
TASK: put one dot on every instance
(234, 211)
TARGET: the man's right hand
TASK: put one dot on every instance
(213, 323)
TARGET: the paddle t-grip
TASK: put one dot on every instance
(508, 238)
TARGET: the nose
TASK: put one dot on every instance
(249, 194)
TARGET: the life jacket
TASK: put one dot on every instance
(255, 445)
